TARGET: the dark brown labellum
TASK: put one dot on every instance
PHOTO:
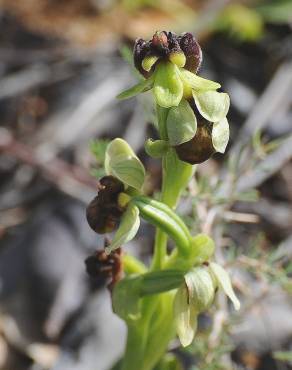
(103, 212)
(199, 148)
(164, 43)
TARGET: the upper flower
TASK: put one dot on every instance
(183, 50)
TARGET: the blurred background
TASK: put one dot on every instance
(62, 63)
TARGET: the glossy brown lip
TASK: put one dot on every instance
(162, 44)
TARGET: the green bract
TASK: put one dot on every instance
(122, 162)
(181, 123)
(125, 298)
(168, 87)
(220, 135)
(128, 228)
(212, 105)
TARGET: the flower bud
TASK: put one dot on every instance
(103, 212)
(199, 148)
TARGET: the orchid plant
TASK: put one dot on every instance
(162, 300)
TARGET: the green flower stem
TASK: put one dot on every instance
(132, 265)
(134, 353)
(176, 175)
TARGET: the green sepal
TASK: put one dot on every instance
(140, 87)
(168, 87)
(156, 148)
(127, 230)
(181, 124)
(201, 288)
(185, 317)
(122, 162)
(223, 281)
(212, 105)
(198, 83)
(220, 135)
(126, 298)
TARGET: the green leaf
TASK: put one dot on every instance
(141, 87)
(220, 135)
(181, 123)
(212, 105)
(200, 287)
(168, 87)
(203, 248)
(198, 83)
(185, 317)
(125, 298)
(156, 148)
(122, 162)
(127, 230)
(223, 280)
(161, 281)
(162, 216)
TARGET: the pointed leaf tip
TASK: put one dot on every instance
(140, 87)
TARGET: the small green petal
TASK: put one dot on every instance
(212, 105)
(223, 280)
(122, 162)
(185, 317)
(148, 62)
(220, 135)
(168, 87)
(127, 230)
(181, 124)
(198, 83)
(141, 87)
